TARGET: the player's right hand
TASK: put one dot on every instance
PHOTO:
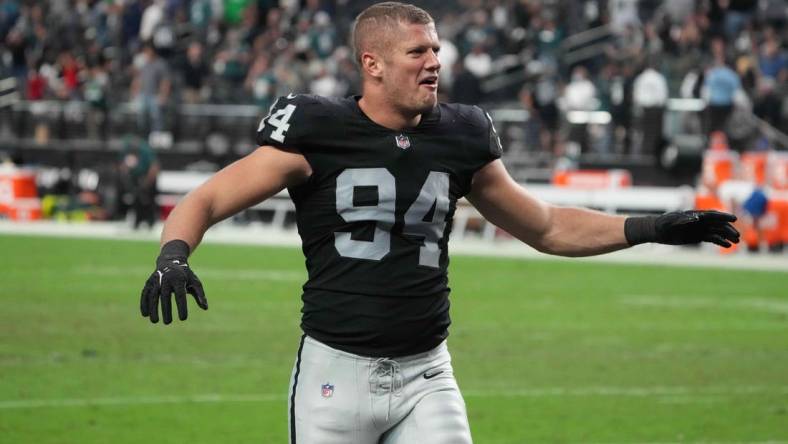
(172, 275)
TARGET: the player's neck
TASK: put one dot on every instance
(384, 114)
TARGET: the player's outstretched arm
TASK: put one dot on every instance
(240, 185)
(582, 232)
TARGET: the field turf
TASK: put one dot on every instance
(545, 351)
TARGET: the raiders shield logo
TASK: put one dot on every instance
(402, 141)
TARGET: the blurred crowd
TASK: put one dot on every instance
(156, 53)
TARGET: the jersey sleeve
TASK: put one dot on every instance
(485, 143)
(494, 147)
(287, 123)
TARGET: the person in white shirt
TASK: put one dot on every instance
(579, 95)
(649, 96)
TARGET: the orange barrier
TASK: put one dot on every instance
(718, 167)
(708, 201)
(778, 170)
(718, 141)
(592, 179)
(18, 195)
(778, 206)
(753, 167)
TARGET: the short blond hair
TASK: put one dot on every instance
(382, 18)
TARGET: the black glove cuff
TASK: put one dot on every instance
(175, 249)
(641, 229)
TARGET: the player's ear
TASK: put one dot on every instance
(371, 64)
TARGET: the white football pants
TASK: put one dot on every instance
(342, 398)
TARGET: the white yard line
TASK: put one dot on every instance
(137, 400)
(638, 392)
(730, 302)
(693, 442)
(215, 273)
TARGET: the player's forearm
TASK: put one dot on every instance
(582, 232)
(189, 220)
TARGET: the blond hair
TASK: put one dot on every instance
(383, 18)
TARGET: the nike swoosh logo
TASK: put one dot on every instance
(432, 375)
(291, 96)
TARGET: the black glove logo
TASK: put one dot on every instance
(172, 275)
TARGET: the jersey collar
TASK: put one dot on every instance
(428, 119)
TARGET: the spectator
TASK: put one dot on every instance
(533, 127)
(721, 84)
(261, 82)
(448, 56)
(478, 62)
(545, 101)
(621, 105)
(36, 84)
(249, 27)
(347, 74)
(36, 92)
(70, 76)
(139, 172)
(579, 95)
(478, 31)
(131, 18)
(649, 96)
(17, 45)
(580, 92)
(152, 16)
(773, 69)
(233, 10)
(195, 71)
(606, 86)
(231, 63)
(323, 83)
(624, 14)
(549, 38)
(322, 35)
(151, 89)
(628, 46)
(466, 87)
(9, 13)
(96, 89)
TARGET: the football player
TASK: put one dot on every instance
(375, 180)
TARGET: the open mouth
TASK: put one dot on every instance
(431, 82)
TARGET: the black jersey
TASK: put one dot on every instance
(375, 217)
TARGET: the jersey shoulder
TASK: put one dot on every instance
(296, 120)
(465, 115)
(475, 126)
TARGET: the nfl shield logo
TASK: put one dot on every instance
(327, 390)
(402, 141)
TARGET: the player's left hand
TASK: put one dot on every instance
(683, 227)
(172, 275)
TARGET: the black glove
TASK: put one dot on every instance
(172, 275)
(683, 227)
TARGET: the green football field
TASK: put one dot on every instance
(545, 351)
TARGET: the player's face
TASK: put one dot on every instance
(412, 66)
